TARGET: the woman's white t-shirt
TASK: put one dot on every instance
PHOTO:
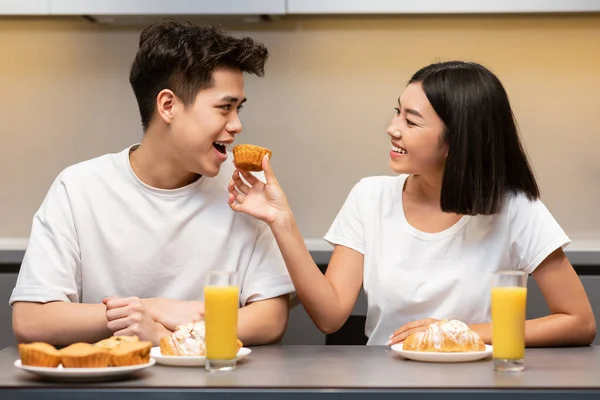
(411, 275)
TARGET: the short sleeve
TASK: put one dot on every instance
(534, 233)
(266, 276)
(348, 227)
(52, 259)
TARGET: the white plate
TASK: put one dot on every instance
(83, 374)
(442, 357)
(189, 361)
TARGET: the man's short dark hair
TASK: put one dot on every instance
(182, 58)
(485, 157)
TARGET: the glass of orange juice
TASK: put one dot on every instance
(509, 300)
(221, 303)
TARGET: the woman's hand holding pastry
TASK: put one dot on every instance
(129, 317)
(404, 331)
(265, 201)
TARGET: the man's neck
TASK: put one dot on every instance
(155, 163)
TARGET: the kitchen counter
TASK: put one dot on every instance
(12, 250)
(356, 372)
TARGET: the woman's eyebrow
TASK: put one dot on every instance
(410, 111)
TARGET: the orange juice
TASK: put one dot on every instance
(508, 322)
(220, 315)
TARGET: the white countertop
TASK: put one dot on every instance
(13, 244)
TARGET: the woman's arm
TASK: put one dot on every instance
(571, 321)
(328, 299)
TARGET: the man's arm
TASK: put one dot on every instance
(62, 323)
(59, 323)
(259, 322)
(264, 321)
(171, 313)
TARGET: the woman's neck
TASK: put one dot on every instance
(425, 188)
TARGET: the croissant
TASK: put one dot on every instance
(187, 340)
(445, 336)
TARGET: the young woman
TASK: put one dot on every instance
(424, 244)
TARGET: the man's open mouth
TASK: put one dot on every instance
(221, 147)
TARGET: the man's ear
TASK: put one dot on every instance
(164, 105)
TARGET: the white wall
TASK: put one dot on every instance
(322, 108)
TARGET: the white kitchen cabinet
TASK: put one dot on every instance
(24, 7)
(439, 6)
(164, 7)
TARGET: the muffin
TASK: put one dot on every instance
(130, 353)
(39, 355)
(84, 355)
(115, 341)
(249, 157)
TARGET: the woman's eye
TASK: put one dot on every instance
(409, 122)
(397, 110)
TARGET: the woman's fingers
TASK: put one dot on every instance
(269, 174)
(409, 326)
(231, 201)
(402, 336)
(407, 329)
(238, 196)
(251, 179)
(239, 183)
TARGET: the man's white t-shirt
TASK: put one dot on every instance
(411, 275)
(102, 232)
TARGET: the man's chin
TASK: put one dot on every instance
(211, 175)
(209, 172)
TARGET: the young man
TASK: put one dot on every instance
(122, 244)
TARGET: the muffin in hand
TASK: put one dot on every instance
(249, 157)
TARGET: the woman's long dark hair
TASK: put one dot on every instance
(485, 157)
